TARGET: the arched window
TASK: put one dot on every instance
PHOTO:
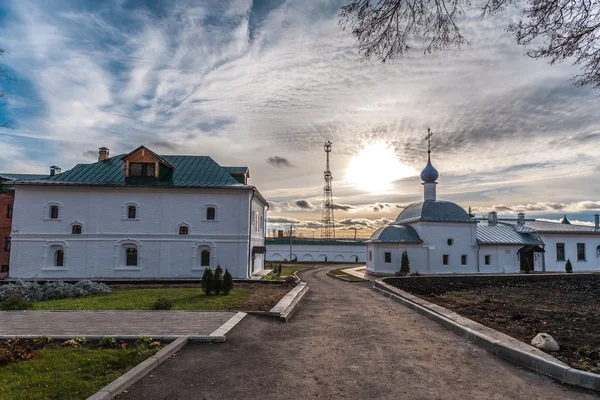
(53, 212)
(205, 258)
(210, 213)
(183, 230)
(59, 258)
(76, 229)
(131, 212)
(131, 257)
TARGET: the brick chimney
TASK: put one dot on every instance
(492, 218)
(521, 218)
(103, 153)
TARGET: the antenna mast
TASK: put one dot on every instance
(328, 229)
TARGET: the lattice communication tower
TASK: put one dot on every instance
(328, 229)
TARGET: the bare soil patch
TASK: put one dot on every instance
(568, 308)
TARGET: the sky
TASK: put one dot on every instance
(264, 84)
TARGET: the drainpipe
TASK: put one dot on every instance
(478, 247)
(250, 232)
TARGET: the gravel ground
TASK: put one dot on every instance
(344, 342)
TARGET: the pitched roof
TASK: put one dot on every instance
(395, 234)
(236, 170)
(554, 227)
(188, 171)
(433, 211)
(502, 233)
(20, 177)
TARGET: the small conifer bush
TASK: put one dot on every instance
(569, 266)
(217, 282)
(404, 264)
(227, 282)
(207, 281)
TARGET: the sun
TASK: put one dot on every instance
(376, 167)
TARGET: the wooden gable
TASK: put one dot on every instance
(145, 156)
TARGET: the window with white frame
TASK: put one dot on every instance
(76, 229)
(580, 251)
(211, 213)
(59, 258)
(204, 253)
(131, 256)
(131, 212)
(53, 212)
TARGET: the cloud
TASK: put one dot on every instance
(344, 207)
(279, 162)
(90, 153)
(305, 205)
(577, 206)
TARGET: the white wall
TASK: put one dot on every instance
(503, 259)
(592, 241)
(418, 257)
(163, 253)
(317, 252)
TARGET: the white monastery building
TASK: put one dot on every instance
(138, 216)
(440, 237)
(306, 250)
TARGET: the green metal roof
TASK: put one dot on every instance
(236, 170)
(20, 177)
(395, 234)
(188, 171)
(505, 234)
(433, 211)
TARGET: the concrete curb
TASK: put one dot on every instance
(287, 305)
(227, 326)
(120, 384)
(546, 365)
(347, 280)
(163, 338)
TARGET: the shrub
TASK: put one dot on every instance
(42, 341)
(227, 282)
(569, 266)
(405, 264)
(107, 341)
(15, 349)
(207, 278)
(33, 291)
(143, 342)
(217, 282)
(81, 339)
(15, 304)
(162, 303)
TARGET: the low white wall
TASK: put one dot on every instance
(317, 252)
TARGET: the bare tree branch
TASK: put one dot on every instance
(557, 29)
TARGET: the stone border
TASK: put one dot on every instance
(347, 280)
(500, 345)
(226, 327)
(120, 384)
(288, 304)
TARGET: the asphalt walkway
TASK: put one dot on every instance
(111, 323)
(344, 342)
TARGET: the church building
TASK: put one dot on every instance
(137, 216)
(440, 237)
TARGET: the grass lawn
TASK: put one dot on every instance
(286, 270)
(342, 274)
(66, 373)
(143, 299)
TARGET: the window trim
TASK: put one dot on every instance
(584, 252)
(48, 260)
(563, 252)
(196, 255)
(48, 211)
(205, 213)
(125, 211)
(121, 255)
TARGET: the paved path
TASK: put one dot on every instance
(344, 342)
(113, 323)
